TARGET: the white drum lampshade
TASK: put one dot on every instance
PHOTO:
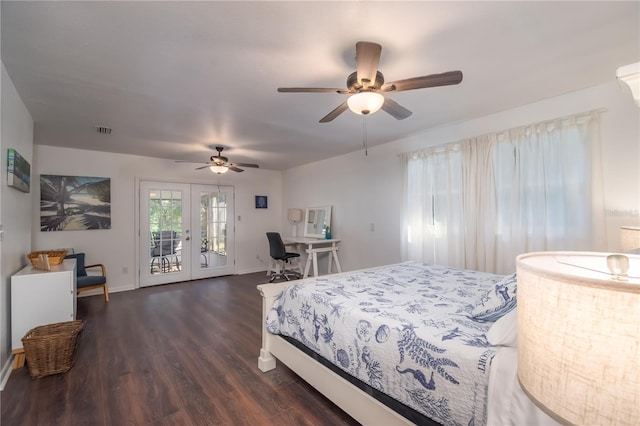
(629, 238)
(578, 336)
(295, 216)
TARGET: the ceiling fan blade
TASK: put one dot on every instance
(220, 161)
(192, 162)
(395, 109)
(367, 61)
(433, 80)
(311, 90)
(336, 112)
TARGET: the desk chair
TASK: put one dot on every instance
(89, 282)
(278, 252)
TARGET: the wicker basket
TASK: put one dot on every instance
(55, 256)
(51, 349)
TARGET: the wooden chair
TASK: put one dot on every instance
(89, 282)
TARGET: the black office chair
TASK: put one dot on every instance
(279, 253)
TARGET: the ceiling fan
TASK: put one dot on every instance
(219, 164)
(366, 86)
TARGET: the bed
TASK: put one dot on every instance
(416, 348)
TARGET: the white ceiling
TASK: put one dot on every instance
(175, 79)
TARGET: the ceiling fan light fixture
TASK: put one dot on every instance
(365, 103)
(219, 169)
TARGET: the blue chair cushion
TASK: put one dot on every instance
(90, 280)
(79, 257)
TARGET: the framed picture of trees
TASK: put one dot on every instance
(73, 203)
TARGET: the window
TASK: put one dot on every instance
(480, 202)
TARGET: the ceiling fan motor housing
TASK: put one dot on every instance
(354, 86)
(219, 159)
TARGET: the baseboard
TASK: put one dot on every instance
(98, 292)
(119, 289)
(7, 368)
(252, 270)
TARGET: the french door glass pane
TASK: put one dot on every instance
(165, 225)
(213, 231)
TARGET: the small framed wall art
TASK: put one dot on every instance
(261, 202)
(18, 171)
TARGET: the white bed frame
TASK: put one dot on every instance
(358, 404)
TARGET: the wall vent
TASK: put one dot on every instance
(103, 130)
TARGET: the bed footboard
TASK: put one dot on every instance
(355, 402)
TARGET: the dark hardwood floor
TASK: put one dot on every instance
(177, 354)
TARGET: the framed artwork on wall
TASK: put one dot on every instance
(74, 203)
(18, 171)
(261, 202)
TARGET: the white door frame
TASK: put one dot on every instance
(137, 226)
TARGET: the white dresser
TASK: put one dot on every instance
(41, 297)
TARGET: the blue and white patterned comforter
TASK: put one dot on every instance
(403, 329)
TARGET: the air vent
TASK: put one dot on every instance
(103, 130)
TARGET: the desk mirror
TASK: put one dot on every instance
(315, 220)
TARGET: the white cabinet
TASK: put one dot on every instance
(41, 297)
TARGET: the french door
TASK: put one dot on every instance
(186, 232)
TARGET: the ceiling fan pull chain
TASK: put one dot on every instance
(364, 135)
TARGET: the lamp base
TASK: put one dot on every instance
(294, 231)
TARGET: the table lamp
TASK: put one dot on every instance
(295, 216)
(578, 334)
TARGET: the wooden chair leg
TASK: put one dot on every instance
(18, 360)
(106, 292)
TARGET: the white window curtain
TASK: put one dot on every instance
(433, 206)
(480, 202)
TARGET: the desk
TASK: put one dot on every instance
(313, 246)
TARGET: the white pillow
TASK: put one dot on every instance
(504, 332)
(497, 301)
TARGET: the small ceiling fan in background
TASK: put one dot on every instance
(366, 86)
(219, 164)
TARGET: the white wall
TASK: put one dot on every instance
(365, 190)
(116, 247)
(16, 131)
(362, 190)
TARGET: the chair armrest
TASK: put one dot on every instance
(104, 270)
